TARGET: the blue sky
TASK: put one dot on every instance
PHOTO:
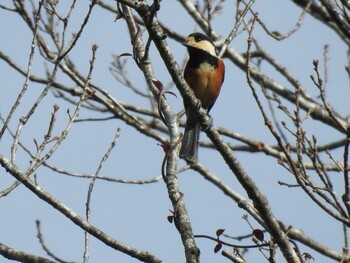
(136, 214)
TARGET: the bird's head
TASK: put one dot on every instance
(200, 41)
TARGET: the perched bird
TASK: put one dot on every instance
(204, 73)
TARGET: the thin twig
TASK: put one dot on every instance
(319, 84)
(91, 186)
(25, 85)
(229, 244)
(232, 34)
(44, 247)
(92, 183)
(276, 35)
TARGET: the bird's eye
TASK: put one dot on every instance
(198, 38)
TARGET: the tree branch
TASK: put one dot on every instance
(76, 219)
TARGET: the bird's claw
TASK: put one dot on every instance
(206, 126)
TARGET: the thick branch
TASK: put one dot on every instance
(260, 201)
(182, 220)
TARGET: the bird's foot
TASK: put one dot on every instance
(207, 125)
(198, 105)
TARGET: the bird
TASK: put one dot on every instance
(204, 74)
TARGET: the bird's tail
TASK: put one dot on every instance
(189, 147)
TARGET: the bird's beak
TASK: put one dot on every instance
(187, 44)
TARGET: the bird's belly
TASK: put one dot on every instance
(204, 86)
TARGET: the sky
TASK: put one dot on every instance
(136, 214)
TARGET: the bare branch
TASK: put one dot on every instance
(13, 254)
(100, 235)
